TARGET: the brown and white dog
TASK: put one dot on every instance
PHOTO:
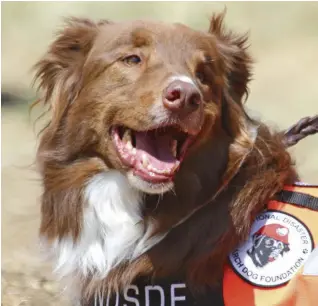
(150, 165)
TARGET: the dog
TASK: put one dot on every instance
(150, 165)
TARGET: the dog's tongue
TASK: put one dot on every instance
(157, 149)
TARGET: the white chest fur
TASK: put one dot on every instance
(113, 229)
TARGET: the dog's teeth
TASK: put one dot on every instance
(174, 147)
(176, 165)
(151, 174)
(127, 136)
(144, 160)
(134, 151)
(129, 145)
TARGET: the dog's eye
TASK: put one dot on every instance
(132, 60)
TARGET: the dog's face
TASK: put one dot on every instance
(156, 85)
(266, 249)
(139, 95)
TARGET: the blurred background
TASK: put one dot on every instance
(284, 44)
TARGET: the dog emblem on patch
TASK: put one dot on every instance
(278, 246)
(269, 242)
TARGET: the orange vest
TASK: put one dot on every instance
(278, 264)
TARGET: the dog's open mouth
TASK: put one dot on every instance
(155, 155)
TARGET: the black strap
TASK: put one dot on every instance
(298, 198)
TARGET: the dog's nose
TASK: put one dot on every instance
(181, 96)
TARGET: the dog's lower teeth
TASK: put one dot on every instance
(151, 169)
(144, 160)
(176, 165)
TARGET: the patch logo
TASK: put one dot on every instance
(278, 246)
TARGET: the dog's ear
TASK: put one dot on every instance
(59, 72)
(237, 62)
(236, 65)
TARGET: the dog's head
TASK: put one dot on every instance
(142, 96)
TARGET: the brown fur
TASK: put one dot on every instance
(227, 176)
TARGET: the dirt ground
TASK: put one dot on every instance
(284, 89)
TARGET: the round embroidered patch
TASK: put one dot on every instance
(278, 246)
